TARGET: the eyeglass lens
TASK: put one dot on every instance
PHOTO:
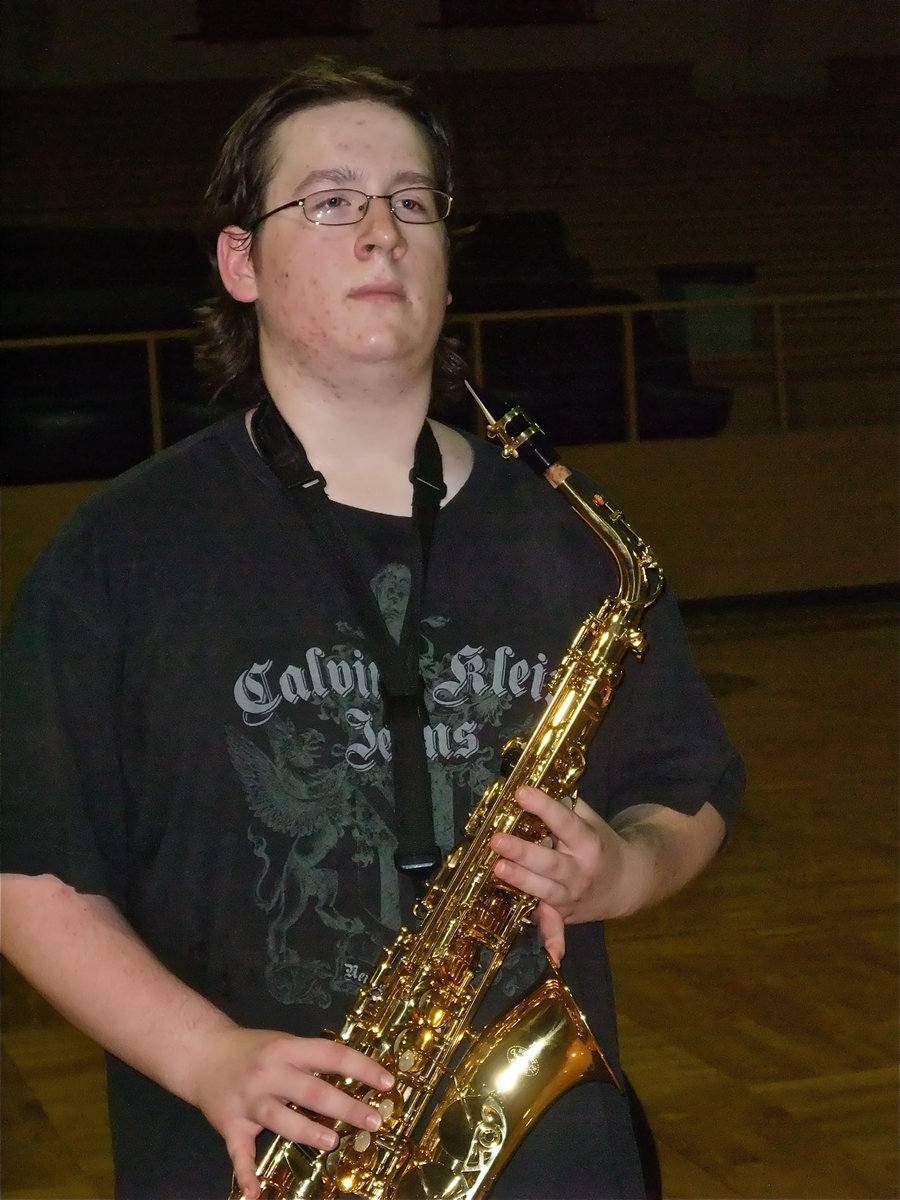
(346, 206)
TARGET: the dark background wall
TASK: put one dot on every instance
(758, 131)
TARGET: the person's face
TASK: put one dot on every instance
(334, 297)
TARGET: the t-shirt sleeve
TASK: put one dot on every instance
(63, 796)
(663, 741)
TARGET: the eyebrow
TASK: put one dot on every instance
(349, 176)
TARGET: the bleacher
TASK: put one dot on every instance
(588, 184)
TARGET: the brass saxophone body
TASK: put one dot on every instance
(463, 1099)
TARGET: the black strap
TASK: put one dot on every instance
(402, 686)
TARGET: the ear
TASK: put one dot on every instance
(236, 263)
(449, 299)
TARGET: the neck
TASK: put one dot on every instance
(362, 439)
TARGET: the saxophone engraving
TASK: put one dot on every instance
(463, 1099)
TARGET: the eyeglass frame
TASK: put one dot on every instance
(301, 204)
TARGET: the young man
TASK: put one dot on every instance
(200, 827)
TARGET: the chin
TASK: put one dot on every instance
(383, 348)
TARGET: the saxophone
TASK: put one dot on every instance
(462, 1100)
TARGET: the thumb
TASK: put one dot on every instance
(552, 930)
(242, 1152)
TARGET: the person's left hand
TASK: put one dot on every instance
(582, 876)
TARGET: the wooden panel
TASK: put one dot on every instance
(31, 514)
(761, 513)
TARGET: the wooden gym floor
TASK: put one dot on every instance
(758, 1010)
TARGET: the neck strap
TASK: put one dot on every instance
(403, 689)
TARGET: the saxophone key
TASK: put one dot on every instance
(406, 1060)
(411, 1049)
(351, 1173)
(432, 1009)
(493, 913)
(510, 755)
(388, 1106)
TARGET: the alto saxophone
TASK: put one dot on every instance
(463, 1099)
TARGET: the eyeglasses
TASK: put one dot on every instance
(346, 206)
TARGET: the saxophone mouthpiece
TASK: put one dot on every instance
(520, 436)
(487, 416)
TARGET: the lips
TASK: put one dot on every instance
(378, 290)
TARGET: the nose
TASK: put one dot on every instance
(379, 229)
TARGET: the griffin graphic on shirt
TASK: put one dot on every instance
(320, 790)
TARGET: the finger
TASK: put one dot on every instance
(242, 1152)
(322, 1099)
(532, 883)
(295, 1126)
(553, 931)
(303, 1072)
(328, 1057)
(534, 856)
(555, 814)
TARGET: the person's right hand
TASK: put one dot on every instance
(254, 1074)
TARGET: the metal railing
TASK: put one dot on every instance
(779, 354)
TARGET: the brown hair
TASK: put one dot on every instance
(227, 353)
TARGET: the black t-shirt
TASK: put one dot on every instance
(193, 729)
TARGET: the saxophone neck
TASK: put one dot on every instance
(640, 576)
